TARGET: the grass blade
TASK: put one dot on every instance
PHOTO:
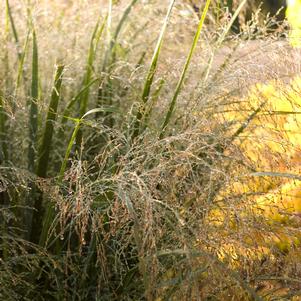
(33, 118)
(3, 131)
(118, 29)
(108, 34)
(154, 100)
(13, 27)
(246, 123)
(151, 73)
(73, 138)
(182, 77)
(76, 99)
(44, 151)
(276, 175)
(21, 63)
(222, 37)
(87, 79)
(90, 61)
(154, 61)
(50, 211)
(105, 90)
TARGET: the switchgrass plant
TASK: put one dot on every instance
(131, 174)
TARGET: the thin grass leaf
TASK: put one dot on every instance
(3, 115)
(33, 118)
(13, 27)
(223, 36)
(90, 61)
(141, 59)
(105, 90)
(112, 38)
(122, 21)
(87, 78)
(3, 131)
(76, 99)
(7, 50)
(154, 100)
(276, 175)
(245, 124)
(44, 151)
(21, 63)
(50, 210)
(153, 66)
(7, 20)
(151, 73)
(109, 34)
(73, 137)
(183, 74)
(137, 234)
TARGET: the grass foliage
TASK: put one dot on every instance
(152, 165)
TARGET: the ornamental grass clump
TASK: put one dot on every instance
(139, 160)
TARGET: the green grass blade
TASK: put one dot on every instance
(7, 50)
(3, 131)
(87, 78)
(21, 63)
(123, 19)
(141, 59)
(105, 91)
(20, 53)
(73, 139)
(119, 28)
(3, 116)
(90, 61)
(154, 61)
(246, 123)
(89, 68)
(67, 112)
(50, 211)
(113, 37)
(151, 73)
(68, 151)
(223, 36)
(183, 74)
(4, 197)
(44, 151)
(13, 27)
(33, 118)
(154, 100)
(108, 35)
(76, 99)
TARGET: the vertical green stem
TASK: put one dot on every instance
(3, 131)
(150, 75)
(44, 150)
(50, 210)
(44, 153)
(182, 77)
(14, 30)
(33, 116)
